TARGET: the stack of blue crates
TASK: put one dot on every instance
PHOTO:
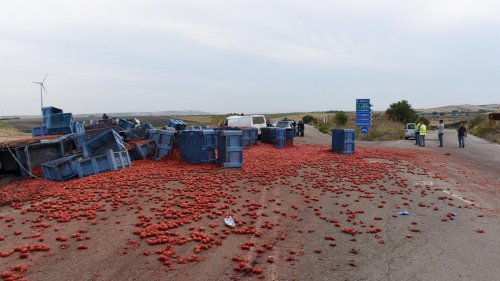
(197, 146)
(164, 140)
(230, 148)
(343, 141)
(280, 138)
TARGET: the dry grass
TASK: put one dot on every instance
(8, 133)
(485, 129)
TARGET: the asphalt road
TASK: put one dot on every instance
(444, 251)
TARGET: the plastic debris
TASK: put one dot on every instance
(229, 221)
(404, 213)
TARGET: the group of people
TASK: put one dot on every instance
(421, 132)
(298, 128)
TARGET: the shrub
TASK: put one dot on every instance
(401, 111)
(341, 118)
(308, 119)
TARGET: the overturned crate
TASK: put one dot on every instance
(230, 149)
(110, 161)
(99, 145)
(60, 169)
(143, 150)
(164, 140)
(197, 146)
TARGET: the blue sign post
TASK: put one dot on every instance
(363, 114)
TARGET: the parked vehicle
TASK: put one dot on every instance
(255, 121)
(410, 131)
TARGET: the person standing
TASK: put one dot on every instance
(440, 132)
(462, 134)
(423, 132)
(417, 132)
(301, 128)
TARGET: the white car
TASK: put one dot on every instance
(410, 131)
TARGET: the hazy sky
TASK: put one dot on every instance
(247, 56)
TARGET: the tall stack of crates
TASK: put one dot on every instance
(343, 141)
(280, 138)
(197, 146)
(230, 148)
(246, 137)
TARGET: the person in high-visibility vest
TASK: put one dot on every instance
(417, 132)
(423, 132)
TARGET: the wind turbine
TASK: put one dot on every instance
(42, 88)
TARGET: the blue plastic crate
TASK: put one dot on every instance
(230, 149)
(60, 120)
(163, 138)
(100, 144)
(290, 134)
(142, 130)
(78, 128)
(78, 139)
(143, 151)
(162, 153)
(60, 169)
(280, 137)
(125, 125)
(254, 136)
(343, 141)
(47, 112)
(197, 146)
(179, 125)
(60, 131)
(39, 131)
(246, 137)
(111, 161)
(92, 134)
(268, 135)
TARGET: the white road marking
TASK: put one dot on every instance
(459, 197)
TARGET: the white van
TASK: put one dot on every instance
(255, 121)
(410, 130)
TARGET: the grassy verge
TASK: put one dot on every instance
(5, 126)
(381, 129)
(485, 129)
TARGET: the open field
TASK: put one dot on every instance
(302, 213)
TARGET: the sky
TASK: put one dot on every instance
(247, 56)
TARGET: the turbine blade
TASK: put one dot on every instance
(44, 89)
(45, 77)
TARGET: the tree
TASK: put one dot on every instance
(341, 118)
(308, 119)
(402, 112)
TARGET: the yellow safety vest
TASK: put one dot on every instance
(423, 130)
(417, 128)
